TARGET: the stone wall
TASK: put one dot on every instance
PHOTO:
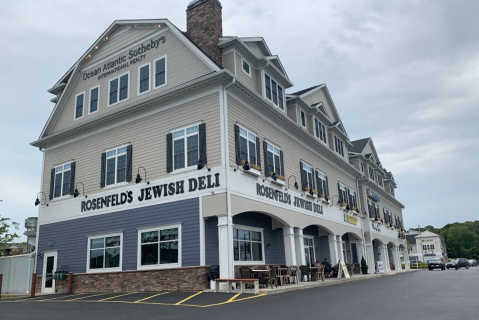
(177, 279)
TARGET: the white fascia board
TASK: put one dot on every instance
(278, 74)
(366, 182)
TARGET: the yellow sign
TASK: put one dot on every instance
(345, 270)
(350, 219)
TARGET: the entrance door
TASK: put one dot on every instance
(49, 268)
(309, 251)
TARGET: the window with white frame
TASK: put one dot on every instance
(144, 78)
(273, 159)
(159, 247)
(376, 211)
(338, 146)
(185, 147)
(379, 179)
(104, 252)
(116, 165)
(160, 72)
(303, 118)
(246, 67)
(320, 130)
(79, 102)
(309, 252)
(391, 189)
(307, 176)
(322, 184)
(247, 146)
(371, 173)
(118, 89)
(274, 91)
(342, 193)
(371, 209)
(62, 180)
(352, 198)
(94, 97)
(362, 166)
(248, 244)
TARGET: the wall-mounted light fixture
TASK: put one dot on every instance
(76, 193)
(246, 165)
(37, 201)
(138, 177)
(295, 183)
(267, 245)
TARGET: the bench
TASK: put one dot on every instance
(230, 282)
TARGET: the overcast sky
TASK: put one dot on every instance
(405, 73)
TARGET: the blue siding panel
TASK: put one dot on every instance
(70, 238)
(211, 241)
(321, 244)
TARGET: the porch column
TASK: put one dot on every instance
(226, 264)
(370, 257)
(340, 249)
(299, 245)
(333, 248)
(406, 258)
(289, 246)
(398, 264)
(385, 257)
(360, 252)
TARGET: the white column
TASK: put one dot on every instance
(406, 258)
(360, 252)
(340, 249)
(398, 263)
(333, 249)
(299, 245)
(385, 257)
(226, 264)
(289, 246)
(370, 257)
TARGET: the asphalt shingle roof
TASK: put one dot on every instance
(359, 145)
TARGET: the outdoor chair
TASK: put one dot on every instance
(214, 272)
(304, 272)
(270, 277)
(294, 274)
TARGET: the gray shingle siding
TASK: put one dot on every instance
(70, 238)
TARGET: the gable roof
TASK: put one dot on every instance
(299, 93)
(359, 145)
(427, 234)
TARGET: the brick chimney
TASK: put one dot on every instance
(204, 26)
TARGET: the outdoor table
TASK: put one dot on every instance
(311, 271)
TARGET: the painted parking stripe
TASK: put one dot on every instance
(231, 301)
(159, 294)
(88, 296)
(234, 297)
(121, 295)
(194, 295)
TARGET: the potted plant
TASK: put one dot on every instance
(364, 266)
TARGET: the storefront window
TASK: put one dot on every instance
(247, 245)
(159, 246)
(104, 252)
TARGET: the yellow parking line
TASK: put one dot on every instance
(194, 295)
(231, 301)
(159, 294)
(121, 295)
(94, 295)
(233, 297)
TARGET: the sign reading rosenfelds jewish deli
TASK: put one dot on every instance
(124, 61)
(154, 192)
(350, 219)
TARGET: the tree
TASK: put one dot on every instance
(5, 235)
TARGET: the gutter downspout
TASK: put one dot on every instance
(362, 221)
(231, 272)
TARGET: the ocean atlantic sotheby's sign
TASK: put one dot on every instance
(124, 61)
(158, 191)
(284, 197)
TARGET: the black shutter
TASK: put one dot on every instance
(202, 144)
(258, 148)
(340, 194)
(265, 154)
(318, 183)
(169, 152)
(281, 161)
(103, 169)
(52, 183)
(326, 192)
(237, 144)
(348, 197)
(72, 178)
(312, 180)
(304, 177)
(129, 162)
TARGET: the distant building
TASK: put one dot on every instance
(425, 245)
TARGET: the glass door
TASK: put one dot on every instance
(49, 268)
(309, 251)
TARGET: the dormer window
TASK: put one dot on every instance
(338, 146)
(246, 68)
(273, 91)
(380, 180)
(391, 190)
(371, 173)
(362, 167)
(320, 130)
(303, 119)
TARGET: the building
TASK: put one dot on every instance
(426, 245)
(230, 169)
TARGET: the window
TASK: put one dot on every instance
(307, 176)
(246, 68)
(309, 253)
(352, 198)
(159, 247)
(79, 101)
(104, 253)
(380, 179)
(94, 95)
(376, 211)
(342, 193)
(116, 165)
(118, 89)
(273, 159)
(371, 173)
(160, 72)
(362, 167)
(303, 119)
(274, 91)
(391, 189)
(248, 245)
(320, 130)
(62, 180)
(144, 79)
(322, 183)
(338, 146)
(185, 147)
(247, 146)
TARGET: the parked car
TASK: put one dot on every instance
(436, 263)
(472, 263)
(451, 264)
(461, 262)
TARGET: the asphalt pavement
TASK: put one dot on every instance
(424, 294)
